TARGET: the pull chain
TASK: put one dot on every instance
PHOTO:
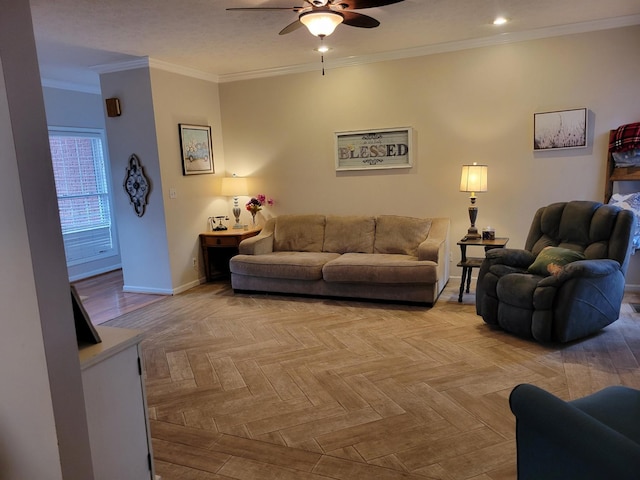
(322, 50)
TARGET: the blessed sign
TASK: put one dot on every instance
(374, 149)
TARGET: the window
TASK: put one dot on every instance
(82, 184)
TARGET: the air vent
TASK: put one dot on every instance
(635, 307)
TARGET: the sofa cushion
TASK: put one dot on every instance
(354, 234)
(289, 265)
(299, 233)
(379, 268)
(396, 234)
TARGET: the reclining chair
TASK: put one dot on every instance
(567, 291)
(595, 437)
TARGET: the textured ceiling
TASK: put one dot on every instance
(74, 35)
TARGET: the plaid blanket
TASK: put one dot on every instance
(626, 137)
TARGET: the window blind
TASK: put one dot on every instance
(84, 203)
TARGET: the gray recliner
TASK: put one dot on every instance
(574, 301)
(592, 438)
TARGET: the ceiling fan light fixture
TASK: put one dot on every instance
(321, 23)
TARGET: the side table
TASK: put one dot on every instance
(218, 248)
(469, 263)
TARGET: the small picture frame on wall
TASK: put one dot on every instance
(196, 149)
(560, 129)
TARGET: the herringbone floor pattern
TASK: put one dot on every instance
(274, 387)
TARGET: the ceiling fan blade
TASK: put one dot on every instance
(291, 27)
(359, 4)
(291, 9)
(354, 19)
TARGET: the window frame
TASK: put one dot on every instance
(93, 133)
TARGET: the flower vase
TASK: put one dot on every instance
(253, 218)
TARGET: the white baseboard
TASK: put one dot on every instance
(163, 291)
(93, 273)
(187, 286)
(153, 291)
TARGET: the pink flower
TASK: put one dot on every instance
(255, 204)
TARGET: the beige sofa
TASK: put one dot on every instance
(385, 257)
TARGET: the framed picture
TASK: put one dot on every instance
(561, 129)
(85, 331)
(374, 149)
(196, 149)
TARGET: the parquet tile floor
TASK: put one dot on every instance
(272, 387)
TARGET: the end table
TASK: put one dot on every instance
(218, 248)
(469, 263)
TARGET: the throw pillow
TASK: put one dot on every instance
(551, 259)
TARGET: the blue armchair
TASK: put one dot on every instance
(572, 301)
(596, 437)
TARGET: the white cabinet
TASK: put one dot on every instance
(116, 406)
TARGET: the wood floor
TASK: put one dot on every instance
(103, 298)
(275, 387)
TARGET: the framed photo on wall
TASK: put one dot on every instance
(560, 129)
(196, 149)
(374, 149)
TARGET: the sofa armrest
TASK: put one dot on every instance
(261, 243)
(435, 246)
(258, 245)
(512, 257)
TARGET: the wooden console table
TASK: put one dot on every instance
(218, 248)
(469, 263)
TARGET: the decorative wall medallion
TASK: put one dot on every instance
(136, 185)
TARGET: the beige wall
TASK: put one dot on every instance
(158, 248)
(42, 416)
(143, 240)
(181, 99)
(474, 105)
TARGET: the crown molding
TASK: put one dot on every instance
(72, 86)
(501, 39)
(145, 62)
(189, 72)
(141, 62)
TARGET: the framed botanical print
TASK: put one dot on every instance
(560, 129)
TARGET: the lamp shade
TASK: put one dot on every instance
(234, 186)
(321, 23)
(474, 178)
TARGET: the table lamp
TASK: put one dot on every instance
(473, 179)
(234, 187)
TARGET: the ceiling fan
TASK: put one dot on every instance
(322, 17)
